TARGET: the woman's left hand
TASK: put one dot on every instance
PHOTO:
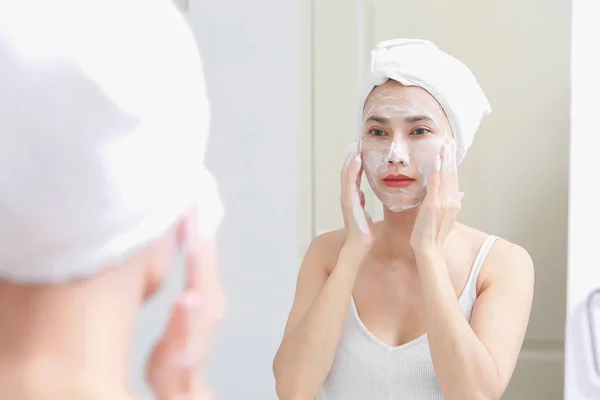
(442, 203)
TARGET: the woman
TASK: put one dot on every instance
(102, 180)
(416, 306)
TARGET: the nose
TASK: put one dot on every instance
(398, 154)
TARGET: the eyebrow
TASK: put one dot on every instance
(411, 119)
(378, 119)
(417, 118)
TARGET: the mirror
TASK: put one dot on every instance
(515, 175)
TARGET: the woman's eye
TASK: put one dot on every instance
(377, 132)
(420, 131)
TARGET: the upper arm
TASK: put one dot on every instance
(312, 277)
(501, 312)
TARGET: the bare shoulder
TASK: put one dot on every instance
(505, 262)
(326, 247)
(319, 261)
(510, 261)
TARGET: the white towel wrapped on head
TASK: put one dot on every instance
(103, 126)
(415, 62)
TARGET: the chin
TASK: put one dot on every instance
(398, 208)
(396, 202)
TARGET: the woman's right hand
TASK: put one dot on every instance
(358, 223)
(177, 366)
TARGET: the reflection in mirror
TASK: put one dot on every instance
(419, 284)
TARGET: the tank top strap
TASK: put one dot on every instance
(479, 260)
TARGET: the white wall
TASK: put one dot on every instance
(251, 52)
(584, 200)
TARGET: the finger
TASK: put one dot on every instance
(349, 185)
(446, 173)
(354, 167)
(353, 151)
(450, 176)
(178, 362)
(202, 275)
(171, 369)
(198, 329)
(362, 199)
(360, 171)
(190, 248)
(433, 187)
(202, 266)
(346, 175)
(360, 174)
(369, 221)
(190, 354)
(455, 161)
(181, 356)
(454, 176)
(347, 162)
(177, 331)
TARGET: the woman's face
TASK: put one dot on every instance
(404, 129)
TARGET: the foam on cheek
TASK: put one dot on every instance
(419, 154)
(422, 154)
(426, 152)
(375, 161)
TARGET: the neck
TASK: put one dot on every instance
(392, 243)
(78, 334)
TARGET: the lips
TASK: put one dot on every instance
(398, 181)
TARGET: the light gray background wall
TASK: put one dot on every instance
(251, 55)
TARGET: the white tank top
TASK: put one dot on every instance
(365, 368)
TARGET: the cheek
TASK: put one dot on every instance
(425, 153)
(373, 161)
